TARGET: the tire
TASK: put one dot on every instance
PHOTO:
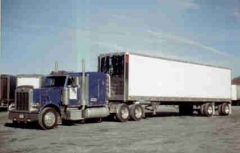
(136, 112)
(123, 113)
(202, 107)
(208, 109)
(47, 118)
(225, 109)
(220, 109)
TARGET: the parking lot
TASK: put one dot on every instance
(166, 132)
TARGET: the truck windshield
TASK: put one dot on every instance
(55, 81)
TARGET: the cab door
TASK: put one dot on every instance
(97, 89)
(74, 93)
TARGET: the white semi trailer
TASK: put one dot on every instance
(151, 81)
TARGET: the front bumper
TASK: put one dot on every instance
(23, 117)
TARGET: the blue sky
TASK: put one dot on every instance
(36, 33)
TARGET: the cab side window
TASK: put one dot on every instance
(72, 82)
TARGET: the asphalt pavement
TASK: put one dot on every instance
(167, 132)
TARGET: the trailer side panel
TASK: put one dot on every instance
(156, 77)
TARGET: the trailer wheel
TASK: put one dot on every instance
(202, 107)
(136, 112)
(220, 109)
(208, 109)
(225, 109)
(123, 113)
(47, 118)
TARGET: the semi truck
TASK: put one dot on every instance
(126, 86)
(7, 88)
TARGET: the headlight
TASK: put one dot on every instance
(36, 105)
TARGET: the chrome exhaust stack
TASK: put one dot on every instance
(56, 66)
(83, 86)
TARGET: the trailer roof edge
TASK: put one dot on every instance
(164, 58)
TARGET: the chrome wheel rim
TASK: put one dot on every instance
(49, 119)
(125, 113)
(210, 110)
(227, 110)
(138, 112)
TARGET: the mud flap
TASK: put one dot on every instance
(59, 119)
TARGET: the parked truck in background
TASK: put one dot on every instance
(236, 91)
(9, 83)
(7, 88)
(34, 80)
(125, 86)
(235, 94)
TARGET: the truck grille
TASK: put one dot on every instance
(22, 101)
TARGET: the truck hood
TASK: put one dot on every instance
(47, 95)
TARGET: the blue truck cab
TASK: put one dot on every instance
(66, 95)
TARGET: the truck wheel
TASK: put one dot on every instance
(208, 109)
(47, 118)
(225, 109)
(136, 112)
(122, 114)
(202, 110)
